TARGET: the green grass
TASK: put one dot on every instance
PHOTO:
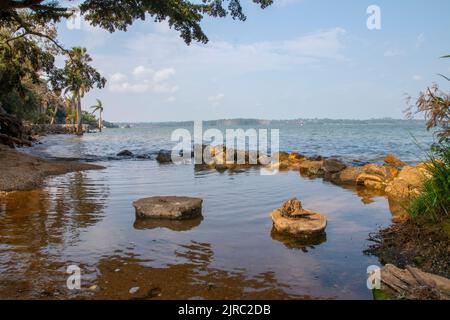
(433, 203)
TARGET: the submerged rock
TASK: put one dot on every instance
(292, 219)
(125, 153)
(169, 207)
(164, 156)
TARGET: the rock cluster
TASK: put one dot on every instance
(292, 219)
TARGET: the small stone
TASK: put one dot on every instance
(134, 290)
(93, 287)
(292, 208)
(164, 156)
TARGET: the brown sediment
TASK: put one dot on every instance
(183, 281)
(22, 172)
(420, 244)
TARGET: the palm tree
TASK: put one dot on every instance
(80, 77)
(99, 107)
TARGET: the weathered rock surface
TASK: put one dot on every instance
(412, 283)
(392, 160)
(292, 208)
(408, 182)
(376, 176)
(311, 167)
(349, 175)
(333, 165)
(168, 207)
(292, 219)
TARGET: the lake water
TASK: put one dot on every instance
(87, 219)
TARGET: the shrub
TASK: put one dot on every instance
(433, 203)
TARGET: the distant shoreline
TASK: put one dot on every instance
(243, 121)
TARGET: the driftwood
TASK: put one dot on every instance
(412, 283)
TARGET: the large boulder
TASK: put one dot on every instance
(169, 207)
(311, 167)
(408, 182)
(376, 176)
(348, 176)
(292, 219)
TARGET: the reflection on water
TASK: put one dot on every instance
(194, 280)
(36, 226)
(87, 219)
(175, 225)
(303, 244)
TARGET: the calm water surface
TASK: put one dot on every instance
(87, 219)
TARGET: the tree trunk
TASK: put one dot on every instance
(79, 116)
(100, 122)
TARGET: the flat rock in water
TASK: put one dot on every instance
(169, 207)
(309, 225)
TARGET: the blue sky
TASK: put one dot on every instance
(296, 59)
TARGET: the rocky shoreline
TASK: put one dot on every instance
(22, 172)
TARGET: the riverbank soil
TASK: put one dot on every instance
(421, 244)
(22, 172)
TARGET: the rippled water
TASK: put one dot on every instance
(87, 219)
(365, 141)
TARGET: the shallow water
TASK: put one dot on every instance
(87, 219)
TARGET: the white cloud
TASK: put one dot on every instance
(420, 40)
(216, 99)
(393, 53)
(417, 77)
(163, 74)
(312, 49)
(171, 99)
(145, 80)
(118, 77)
(142, 71)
